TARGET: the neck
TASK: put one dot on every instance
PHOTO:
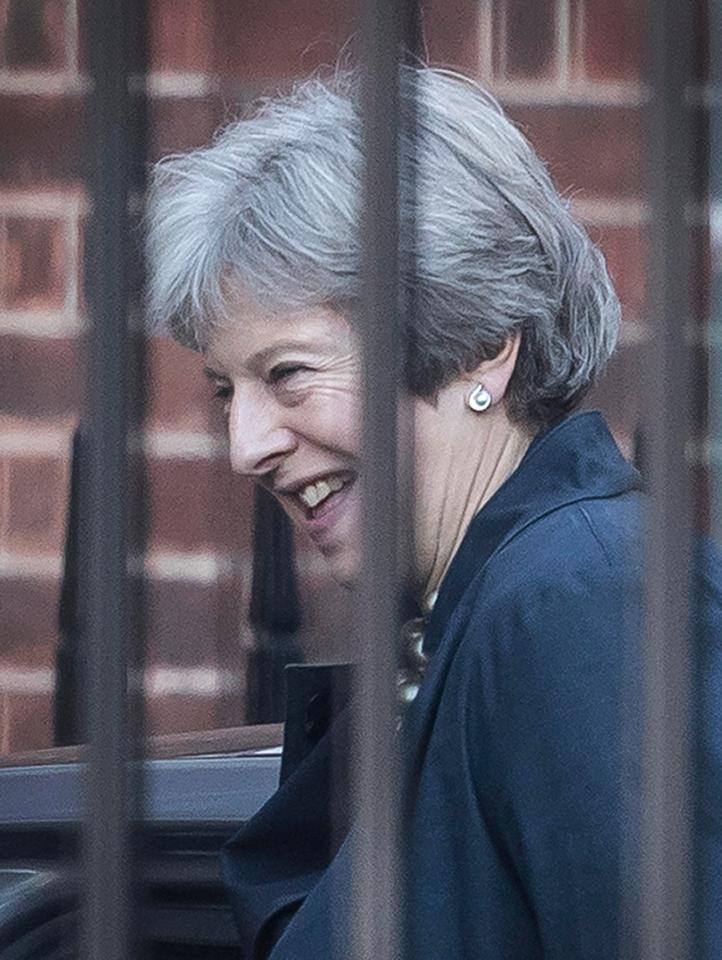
(478, 458)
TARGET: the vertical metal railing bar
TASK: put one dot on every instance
(376, 916)
(666, 811)
(107, 903)
(714, 15)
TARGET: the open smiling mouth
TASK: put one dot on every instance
(319, 498)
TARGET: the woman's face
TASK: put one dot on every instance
(291, 388)
(290, 385)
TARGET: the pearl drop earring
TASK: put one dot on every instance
(479, 399)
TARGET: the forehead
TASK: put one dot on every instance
(249, 335)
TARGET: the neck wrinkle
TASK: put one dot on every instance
(469, 484)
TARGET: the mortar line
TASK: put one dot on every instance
(71, 35)
(563, 47)
(485, 62)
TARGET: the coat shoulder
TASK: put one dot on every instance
(556, 592)
(597, 540)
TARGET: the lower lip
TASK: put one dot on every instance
(329, 513)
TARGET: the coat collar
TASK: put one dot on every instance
(576, 459)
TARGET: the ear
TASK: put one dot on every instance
(495, 374)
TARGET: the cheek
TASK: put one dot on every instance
(434, 461)
(426, 440)
(333, 419)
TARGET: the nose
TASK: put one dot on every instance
(258, 436)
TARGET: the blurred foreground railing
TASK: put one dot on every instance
(389, 30)
(111, 631)
(666, 834)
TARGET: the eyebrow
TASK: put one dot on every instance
(262, 356)
(213, 374)
(267, 353)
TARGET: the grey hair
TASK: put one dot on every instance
(273, 204)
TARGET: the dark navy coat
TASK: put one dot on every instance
(520, 766)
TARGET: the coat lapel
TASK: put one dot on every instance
(577, 459)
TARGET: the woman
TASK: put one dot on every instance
(526, 534)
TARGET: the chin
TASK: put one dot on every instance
(344, 566)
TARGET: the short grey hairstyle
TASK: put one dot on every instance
(273, 203)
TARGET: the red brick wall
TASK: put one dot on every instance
(568, 71)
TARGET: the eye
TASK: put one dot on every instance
(284, 371)
(222, 391)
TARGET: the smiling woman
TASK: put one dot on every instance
(527, 528)
(290, 387)
(255, 248)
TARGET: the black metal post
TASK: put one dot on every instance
(666, 827)
(388, 27)
(112, 143)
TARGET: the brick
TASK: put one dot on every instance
(179, 394)
(205, 624)
(38, 495)
(597, 150)
(452, 33)
(270, 40)
(180, 714)
(188, 623)
(29, 619)
(29, 722)
(40, 377)
(620, 395)
(575, 61)
(614, 39)
(178, 35)
(38, 500)
(181, 34)
(34, 34)
(81, 301)
(36, 263)
(198, 505)
(34, 658)
(625, 250)
(230, 709)
(4, 497)
(177, 124)
(263, 41)
(528, 36)
(43, 141)
(82, 34)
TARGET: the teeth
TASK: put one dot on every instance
(316, 493)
